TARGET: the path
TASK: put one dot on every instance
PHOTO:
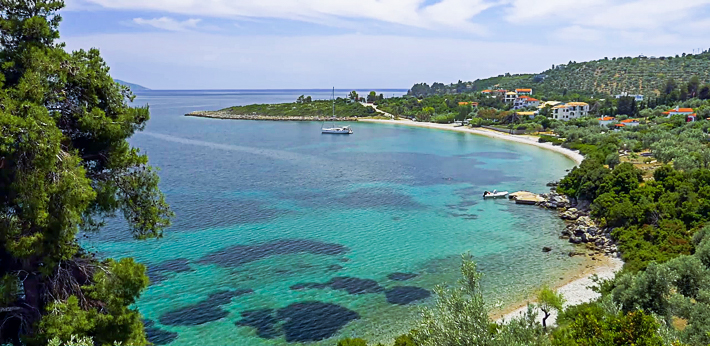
(377, 110)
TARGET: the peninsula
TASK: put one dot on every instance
(304, 109)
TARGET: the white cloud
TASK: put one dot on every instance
(196, 60)
(169, 24)
(609, 15)
(444, 14)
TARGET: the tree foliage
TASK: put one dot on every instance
(66, 166)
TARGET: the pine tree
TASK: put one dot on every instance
(66, 166)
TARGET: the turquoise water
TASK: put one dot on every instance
(269, 212)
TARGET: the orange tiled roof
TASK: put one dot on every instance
(679, 110)
(524, 90)
(485, 91)
(577, 104)
(606, 118)
(530, 99)
(630, 121)
(620, 125)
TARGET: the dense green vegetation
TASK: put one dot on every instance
(635, 309)
(305, 107)
(66, 167)
(639, 75)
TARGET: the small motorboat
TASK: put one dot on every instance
(495, 194)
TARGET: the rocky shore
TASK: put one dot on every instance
(581, 229)
(227, 115)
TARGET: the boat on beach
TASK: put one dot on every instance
(495, 194)
(335, 130)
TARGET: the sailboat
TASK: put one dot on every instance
(336, 130)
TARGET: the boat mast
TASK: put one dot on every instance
(333, 120)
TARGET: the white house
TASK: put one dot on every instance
(630, 122)
(571, 110)
(638, 98)
(510, 96)
(525, 101)
(523, 91)
(678, 110)
(604, 121)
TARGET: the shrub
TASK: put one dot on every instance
(550, 139)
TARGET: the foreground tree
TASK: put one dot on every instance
(549, 301)
(66, 166)
(459, 317)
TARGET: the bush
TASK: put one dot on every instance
(550, 139)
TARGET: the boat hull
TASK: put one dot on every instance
(337, 131)
(496, 195)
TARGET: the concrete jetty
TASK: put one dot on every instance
(526, 197)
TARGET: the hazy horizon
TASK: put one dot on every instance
(306, 44)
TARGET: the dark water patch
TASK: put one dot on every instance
(344, 259)
(227, 212)
(157, 273)
(238, 255)
(335, 267)
(262, 320)
(401, 276)
(465, 216)
(396, 218)
(148, 323)
(355, 285)
(368, 198)
(348, 284)
(314, 321)
(158, 336)
(403, 295)
(203, 312)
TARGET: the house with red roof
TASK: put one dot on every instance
(630, 122)
(679, 111)
(604, 121)
(525, 101)
(523, 91)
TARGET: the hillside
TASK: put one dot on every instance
(639, 75)
(134, 87)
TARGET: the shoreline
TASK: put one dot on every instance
(575, 284)
(530, 140)
(574, 288)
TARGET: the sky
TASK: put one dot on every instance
(299, 44)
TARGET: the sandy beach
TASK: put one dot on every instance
(575, 287)
(530, 140)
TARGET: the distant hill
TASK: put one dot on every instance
(639, 75)
(134, 87)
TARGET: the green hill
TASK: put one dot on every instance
(639, 75)
(134, 87)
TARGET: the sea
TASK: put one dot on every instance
(285, 236)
